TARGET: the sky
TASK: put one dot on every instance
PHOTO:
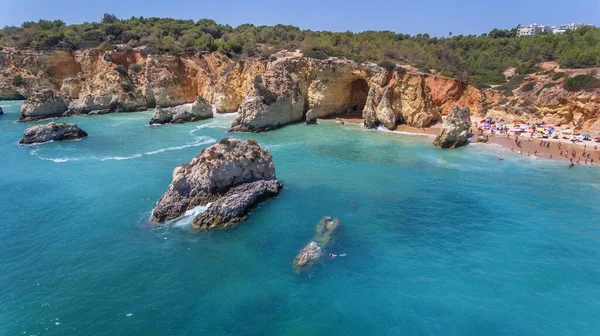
(435, 17)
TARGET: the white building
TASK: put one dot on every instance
(532, 29)
(563, 28)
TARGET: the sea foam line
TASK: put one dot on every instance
(203, 140)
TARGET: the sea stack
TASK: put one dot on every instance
(51, 131)
(455, 129)
(233, 174)
(199, 110)
(45, 103)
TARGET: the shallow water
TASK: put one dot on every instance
(446, 242)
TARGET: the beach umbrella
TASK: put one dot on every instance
(540, 129)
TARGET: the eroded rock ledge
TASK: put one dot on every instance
(51, 131)
(199, 110)
(45, 103)
(234, 174)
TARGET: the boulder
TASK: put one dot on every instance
(311, 118)
(275, 100)
(313, 251)
(51, 131)
(455, 129)
(198, 110)
(232, 207)
(1, 112)
(211, 174)
(45, 103)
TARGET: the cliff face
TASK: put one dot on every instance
(131, 80)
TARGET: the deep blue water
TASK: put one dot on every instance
(438, 242)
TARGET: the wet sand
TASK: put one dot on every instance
(529, 145)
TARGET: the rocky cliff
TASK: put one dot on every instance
(290, 85)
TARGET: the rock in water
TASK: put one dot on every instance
(1, 112)
(309, 255)
(313, 251)
(232, 207)
(455, 129)
(42, 104)
(311, 118)
(211, 174)
(199, 110)
(51, 131)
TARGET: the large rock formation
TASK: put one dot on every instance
(45, 103)
(119, 81)
(211, 174)
(199, 110)
(51, 131)
(232, 207)
(455, 130)
(313, 251)
(274, 100)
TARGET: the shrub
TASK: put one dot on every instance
(273, 58)
(135, 68)
(317, 54)
(582, 82)
(121, 69)
(388, 65)
(512, 84)
(18, 81)
(558, 75)
(528, 87)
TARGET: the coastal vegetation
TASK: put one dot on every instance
(477, 59)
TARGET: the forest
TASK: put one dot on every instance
(477, 59)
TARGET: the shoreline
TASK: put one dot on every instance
(529, 146)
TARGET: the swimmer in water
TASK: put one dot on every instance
(501, 158)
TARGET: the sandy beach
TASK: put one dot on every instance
(529, 146)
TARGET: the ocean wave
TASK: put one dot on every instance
(383, 129)
(202, 140)
(185, 221)
(134, 156)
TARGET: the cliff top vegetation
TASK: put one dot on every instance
(478, 60)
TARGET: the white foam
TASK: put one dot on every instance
(185, 221)
(383, 129)
(134, 156)
(204, 140)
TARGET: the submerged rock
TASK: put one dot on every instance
(211, 174)
(313, 251)
(455, 129)
(232, 207)
(45, 103)
(199, 110)
(311, 118)
(51, 131)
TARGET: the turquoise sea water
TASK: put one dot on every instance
(438, 242)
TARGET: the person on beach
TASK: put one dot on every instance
(550, 156)
(512, 148)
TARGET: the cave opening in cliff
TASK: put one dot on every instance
(359, 89)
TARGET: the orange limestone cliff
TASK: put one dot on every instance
(112, 81)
